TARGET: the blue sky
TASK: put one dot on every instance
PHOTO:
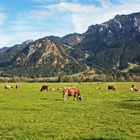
(21, 20)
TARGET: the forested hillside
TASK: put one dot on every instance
(111, 48)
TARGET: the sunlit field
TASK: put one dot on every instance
(28, 114)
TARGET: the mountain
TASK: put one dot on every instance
(7, 54)
(41, 58)
(3, 50)
(111, 47)
(67, 42)
(113, 43)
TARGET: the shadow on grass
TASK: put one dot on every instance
(44, 98)
(95, 138)
(132, 104)
(132, 100)
(59, 99)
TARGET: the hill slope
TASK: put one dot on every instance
(42, 58)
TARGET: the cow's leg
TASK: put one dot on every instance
(74, 98)
(65, 97)
(77, 96)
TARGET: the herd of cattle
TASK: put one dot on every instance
(67, 91)
(71, 90)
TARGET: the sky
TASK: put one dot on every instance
(21, 20)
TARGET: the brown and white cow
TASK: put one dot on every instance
(134, 88)
(44, 88)
(111, 88)
(8, 87)
(71, 91)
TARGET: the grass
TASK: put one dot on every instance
(28, 114)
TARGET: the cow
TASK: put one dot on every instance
(44, 88)
(133, 88)
(111, 88)
(17, 87)
(71, 91)
(8, 87)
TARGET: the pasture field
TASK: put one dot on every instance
(28, 114)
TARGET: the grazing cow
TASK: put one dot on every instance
(8, 87)
(17, 87)
(44, 88)
(133, 88)
(111, 88)
(71, 91)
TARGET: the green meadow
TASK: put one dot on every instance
(28, 114)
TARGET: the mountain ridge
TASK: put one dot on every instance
(107, 48)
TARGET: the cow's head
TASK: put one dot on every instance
(80, 98)
(133, 86)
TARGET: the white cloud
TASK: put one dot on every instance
(38, 15)
(44, 1)
(41, 0)
(3, 38)
(2, 18)
(17, 38)
(85, 15)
